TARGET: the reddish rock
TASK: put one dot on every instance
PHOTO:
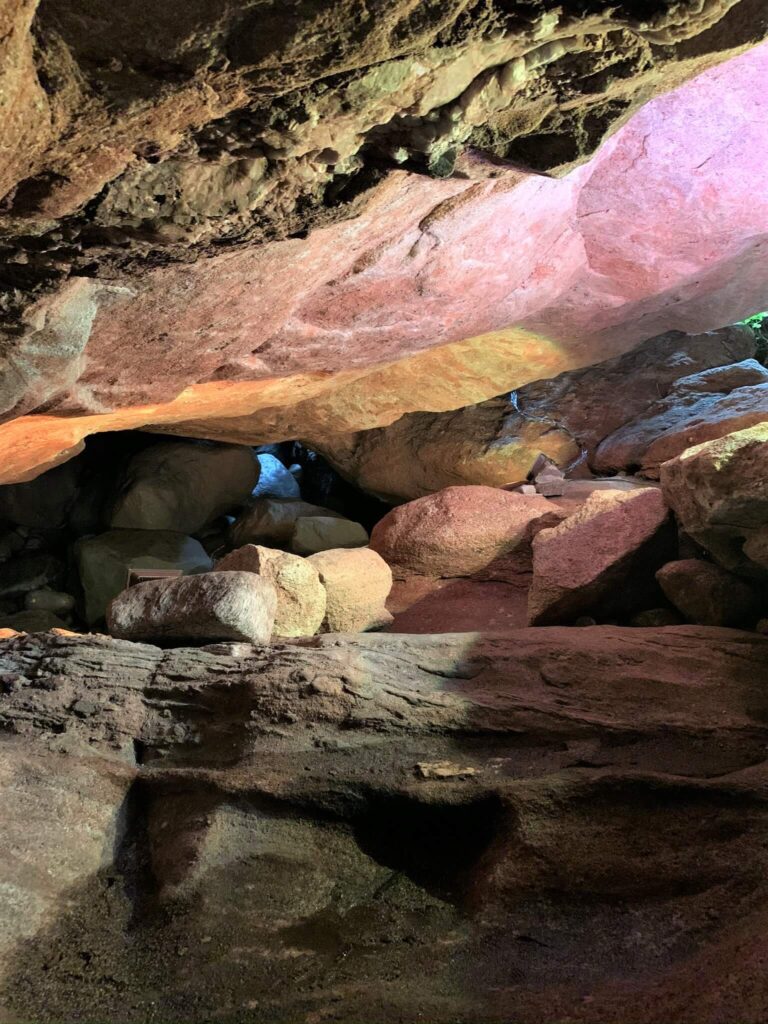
(357, 582)
(600, 561)
(708, 595)
(211, 606)
(271, 521)
(459, 531)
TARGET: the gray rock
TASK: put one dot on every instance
(32, 622)
(42, 503)
(211, 606)
(322, 533)
(183, 486)
(49, 601)
(27, 572)
(275, 481)
(270, 521)
(103, 562)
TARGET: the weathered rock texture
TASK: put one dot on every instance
(211, 606)
(566, 418)
(357, 583)
(141, 158)
(460, 531)
(311, 820)
(301, 597)
(719, 492)
(709, 595)
(601, 559)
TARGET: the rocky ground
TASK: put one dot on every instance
(565, 824)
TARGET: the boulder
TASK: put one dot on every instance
(103, 562)
(709, 595)
(30, 571)
(600, 560)
(357, 582)
(49, 601)
(459, 531)
(42, 503)
(323, 533)
(698, 408)
(270, 521)
(756, 547)
(211, 606)
(34, 621)
(497, 442)
(275, 481)
(719, 493)
(301, 597)
(183, 485)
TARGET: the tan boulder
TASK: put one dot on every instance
(459, 531)
(719, 493)
(325, 533)
(271, 521)
(301, 596)
(357, 582)
(184, 485)
(211, 606)
(600, 561)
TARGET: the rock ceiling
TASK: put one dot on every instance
(255, 226)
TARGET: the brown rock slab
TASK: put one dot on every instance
(301, 597)
(357, 582)
(210, 606)
(601, 559)
(708, 595)
(459, 531)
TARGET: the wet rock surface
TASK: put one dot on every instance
(457, 812)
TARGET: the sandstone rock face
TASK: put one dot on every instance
(301, 597)
(323, 533)
(183, 486)
(419, 264)
(211, 606)
(708, 595)
(357, 583)
(458, 531)
(274, 479)
(698, 408)
(719, 493)
(600, 560)
(28, 572)
(344, 722)
(271, 521)
(496, 442)
(35, 621)
(103, 562)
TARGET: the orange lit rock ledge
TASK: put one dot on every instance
(310, 406)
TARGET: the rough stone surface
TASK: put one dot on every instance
(709, 595)
(496, 442)
(183, 486)
(698, 408)
(459, 531)
(275, 481)
(32, 621)
(271, 521)
(357, 582)
(301, 597)
(103, 562)
(426, 260)
(634, 811)
(323, 533)
(209, 606)
(600, 560)
(719, 493)
(43, 503)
